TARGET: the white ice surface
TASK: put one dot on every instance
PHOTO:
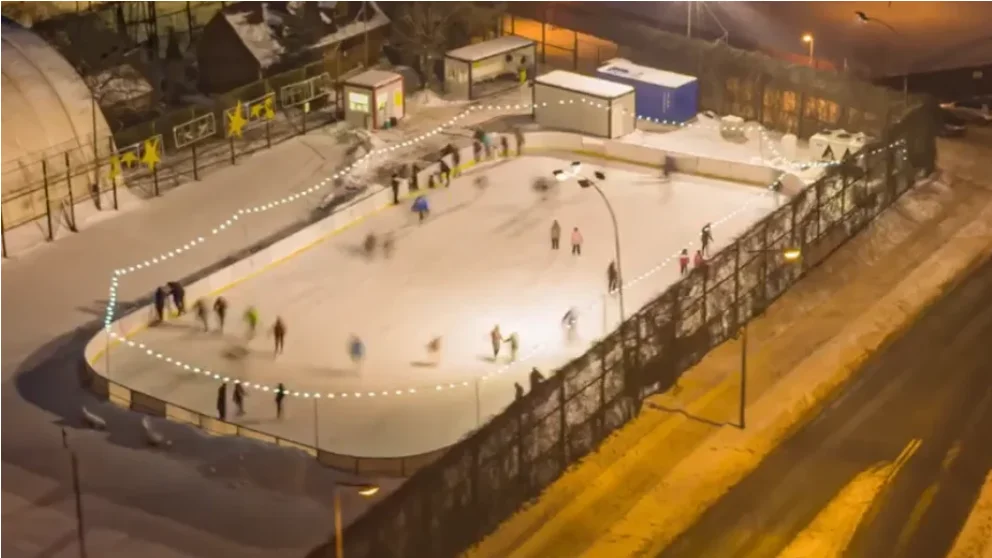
(482, 258)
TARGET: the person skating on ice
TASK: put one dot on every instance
(239, 398)
(178, 296)
(496, 338)
(555, 234)
(356, 350)
(280, 395)
(202, 313)
(684, 261)
(220, 308)
(514, 341)
(569, 323)
(576, 242)
(698, 260)
(705, 238)
(421, 207)
(279, 333)
(388, 244)
(222, 401)
(251, 320)
(160, 296)
(369, 245)
(434, 349)
(612, 277)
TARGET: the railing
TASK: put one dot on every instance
(481, 481)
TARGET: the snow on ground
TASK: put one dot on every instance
(482, 258)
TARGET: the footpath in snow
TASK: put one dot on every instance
(653, 478)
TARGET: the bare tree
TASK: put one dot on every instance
(426, 30)
(29, 13)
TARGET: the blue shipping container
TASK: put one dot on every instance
(658, 94)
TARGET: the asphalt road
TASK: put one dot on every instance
(933, 384)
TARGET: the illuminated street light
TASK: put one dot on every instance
(865, 19)
(364, 489)
(574, 172)
(790, 255)
(808, 39)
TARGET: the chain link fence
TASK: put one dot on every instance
(449, 505)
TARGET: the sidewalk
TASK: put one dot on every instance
(623, 501)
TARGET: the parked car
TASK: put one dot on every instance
(975, 109)
(951, 126)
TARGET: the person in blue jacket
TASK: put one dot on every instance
(421, 208)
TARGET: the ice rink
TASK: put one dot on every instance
(482, 258)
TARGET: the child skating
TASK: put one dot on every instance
(497, 340)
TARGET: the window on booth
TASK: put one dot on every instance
(358, 102)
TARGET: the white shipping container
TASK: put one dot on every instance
(574, 102)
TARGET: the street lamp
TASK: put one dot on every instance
(808, 39)
(363, 489)
(790, 255)
(863, 18)
(574, 172)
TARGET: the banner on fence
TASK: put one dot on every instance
(247, 115)
(301, 92)
(147, 152)
(195, 130)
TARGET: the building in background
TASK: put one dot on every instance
(374, 99)
(249, 41)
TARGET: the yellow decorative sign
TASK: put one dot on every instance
(242, 115)
(235, 121)
(147, 152)
(151, 156)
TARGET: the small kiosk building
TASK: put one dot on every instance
(372, 99)
(485, 68)
(588, 105)
(661, 95)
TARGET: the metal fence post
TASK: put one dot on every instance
(72, 201)
(522, 473)
(818, 191)
(764, 265)
(3, 235)
(196, 171)
(562, 423)
(48, 201)
(602, 396)
(268, 134)
(113, 181)
(304, 122)
(155, 180)
(739, 320)
(231, 143)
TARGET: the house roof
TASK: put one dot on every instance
(488, 49)
(626, 69)
(373, 78)
(118, 84)
(584, 84)
(272, 30)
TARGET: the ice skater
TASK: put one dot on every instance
(222, 401)
(421, 208)
(569, 323)
(434, 349)
(555, 234)
(576, 242)
(279, 333)
(356, 349)
(698, 260)
(504, 145)
(370, 243)
(514, 341)
(220, 308)
(202, 313)
(251, 320)
(684, 262)
(705, 238)
(280, 395)
(178, 296)
(612, 277)
(496, 338)
(535, 378)
(239, 398)
(445, 171)
(667, 167)
(160, 295)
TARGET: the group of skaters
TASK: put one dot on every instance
(372, 244)
(699, 258)
(238, 395)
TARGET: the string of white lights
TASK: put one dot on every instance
(111, 306)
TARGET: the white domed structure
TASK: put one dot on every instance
(48, 111)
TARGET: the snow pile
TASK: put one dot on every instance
(427, 98)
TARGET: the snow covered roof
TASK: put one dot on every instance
(488, 49)
(118, 84)
(623, 68)
(272, 29)
(584, 84)
(373, 78)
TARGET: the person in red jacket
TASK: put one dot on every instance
(698, 260)
(684, 261)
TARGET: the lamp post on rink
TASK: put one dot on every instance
(363, 489)
(790, 255)
(574, 172)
